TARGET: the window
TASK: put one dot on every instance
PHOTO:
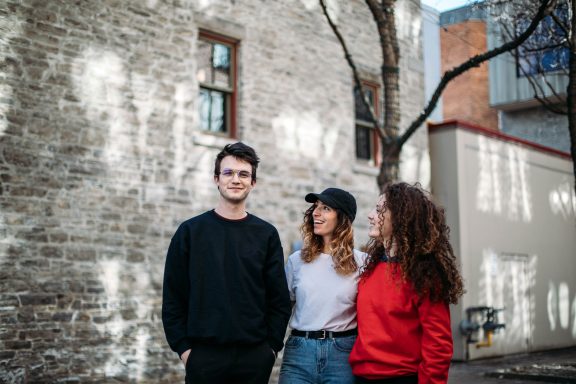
(217, 77)
(545, 50)
(366, 135)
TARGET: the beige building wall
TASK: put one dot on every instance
(512, 212)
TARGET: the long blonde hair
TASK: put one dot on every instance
(342, 243)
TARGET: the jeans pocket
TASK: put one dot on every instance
(293, 342)
(344, 344)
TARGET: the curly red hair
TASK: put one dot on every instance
(420, 243)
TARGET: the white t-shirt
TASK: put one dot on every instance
(324, 299)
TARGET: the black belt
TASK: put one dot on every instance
(324, 334)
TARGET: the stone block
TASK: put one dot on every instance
(4, 356)
(52, 252)
(32, 335)
(37, 299)
(16, 345)
(36, 235)
(62, 316)
(80, 254)
(19, 158)
(8, 334)
(9, 300)
(137, 228)
(8, 319)
(135, 256)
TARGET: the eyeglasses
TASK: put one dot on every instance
(229, 173)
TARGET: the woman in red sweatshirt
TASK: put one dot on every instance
(409, 278)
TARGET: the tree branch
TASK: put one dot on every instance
(554, 92)
(560, 24)
(545, 47)
(475, 61)
(544, 100)
(383, 135)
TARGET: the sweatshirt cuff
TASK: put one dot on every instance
(276, 347)
(182, 347)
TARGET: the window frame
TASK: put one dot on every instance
(231, 93)
(374, 159)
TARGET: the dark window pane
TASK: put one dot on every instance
(363, 142)
(362, 113)
(212, 110)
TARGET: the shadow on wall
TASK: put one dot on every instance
(97, 167)
(563, 200)
(561, 313)
(503, 187)
(508, 280)
(303, 134)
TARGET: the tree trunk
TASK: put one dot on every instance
(390, 165)
(391, 84)
(571, 91)
(391, 142)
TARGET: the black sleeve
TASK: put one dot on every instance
(278, 308)
(176, 290)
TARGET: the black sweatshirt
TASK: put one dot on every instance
(224, 283)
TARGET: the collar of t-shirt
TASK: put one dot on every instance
(385, 258)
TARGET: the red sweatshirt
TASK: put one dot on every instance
(398, 333)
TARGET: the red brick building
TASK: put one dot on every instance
(463, 35)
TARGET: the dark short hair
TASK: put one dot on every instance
(240, 151)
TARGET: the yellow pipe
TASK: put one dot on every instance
(488, 341)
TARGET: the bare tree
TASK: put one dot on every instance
(571, 91)
(557, 41)
(389, 130)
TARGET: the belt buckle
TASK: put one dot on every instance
(323, 335)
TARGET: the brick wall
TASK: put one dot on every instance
(466, 97)
(101, 159)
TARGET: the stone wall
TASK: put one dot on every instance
(101, 159)
(539, 125)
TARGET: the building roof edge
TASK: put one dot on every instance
(460, 124)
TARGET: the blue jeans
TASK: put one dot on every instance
(317, 361)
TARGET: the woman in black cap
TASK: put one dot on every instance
(322, 279)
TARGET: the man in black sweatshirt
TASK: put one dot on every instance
(225, 303)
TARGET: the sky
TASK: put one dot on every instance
(444, 5)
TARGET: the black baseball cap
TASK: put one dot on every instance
(335, 198)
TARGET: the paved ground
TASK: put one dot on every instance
(557, 366)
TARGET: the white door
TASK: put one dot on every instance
(514, 286)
